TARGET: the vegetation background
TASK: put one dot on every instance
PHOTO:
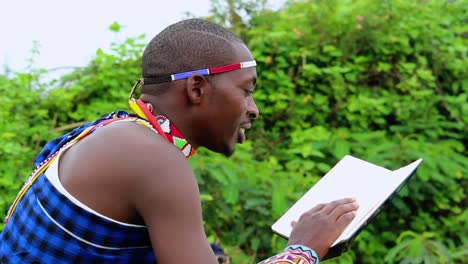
(385, 81)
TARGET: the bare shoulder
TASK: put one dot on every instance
(122, 164)
(127, 148)
(149, 160)
(151, 166)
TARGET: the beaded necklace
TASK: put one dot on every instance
(163, 126)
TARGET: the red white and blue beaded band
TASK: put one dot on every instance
(186, 75)
(207, 71)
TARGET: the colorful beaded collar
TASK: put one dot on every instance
(163, 126)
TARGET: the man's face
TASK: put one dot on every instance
(232, 107)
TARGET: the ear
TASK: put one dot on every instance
(196, 89)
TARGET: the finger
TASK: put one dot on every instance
(341, 209)
(329, 207)
(293, 223)
(346, 218)
(317, 208)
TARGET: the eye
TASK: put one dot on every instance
(249, 91)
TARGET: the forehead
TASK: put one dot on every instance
(247, 75)
(242, 53)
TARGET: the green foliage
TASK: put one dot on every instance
(24, 124)
(418, 248)
(382, 80)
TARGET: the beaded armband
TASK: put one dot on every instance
(295, 254)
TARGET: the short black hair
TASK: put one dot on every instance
(187, 45)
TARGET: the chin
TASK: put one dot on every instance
(228, 154)
(228, 151)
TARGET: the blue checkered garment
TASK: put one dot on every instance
(49, 228)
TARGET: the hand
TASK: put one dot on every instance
(322, 225)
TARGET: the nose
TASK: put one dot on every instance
(252, 109)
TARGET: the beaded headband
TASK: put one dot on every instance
(186, 75)
(209, 71)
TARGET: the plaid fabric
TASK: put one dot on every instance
(49, 228)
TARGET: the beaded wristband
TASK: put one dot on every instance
(294, 254)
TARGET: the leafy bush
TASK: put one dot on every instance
(381, 80)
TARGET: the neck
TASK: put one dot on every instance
(179, 116)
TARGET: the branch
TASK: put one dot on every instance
(69, 126)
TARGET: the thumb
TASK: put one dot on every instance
(293, 223)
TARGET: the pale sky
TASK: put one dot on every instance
(70, 32)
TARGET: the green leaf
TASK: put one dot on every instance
(115, 27)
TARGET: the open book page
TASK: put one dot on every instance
(391, 181)
(370, 184)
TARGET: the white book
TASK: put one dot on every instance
(370, 184)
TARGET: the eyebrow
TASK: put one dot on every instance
(207, 71)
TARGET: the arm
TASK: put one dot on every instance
(172, 212)
(168, 200)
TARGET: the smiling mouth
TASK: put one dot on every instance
(241, 135)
